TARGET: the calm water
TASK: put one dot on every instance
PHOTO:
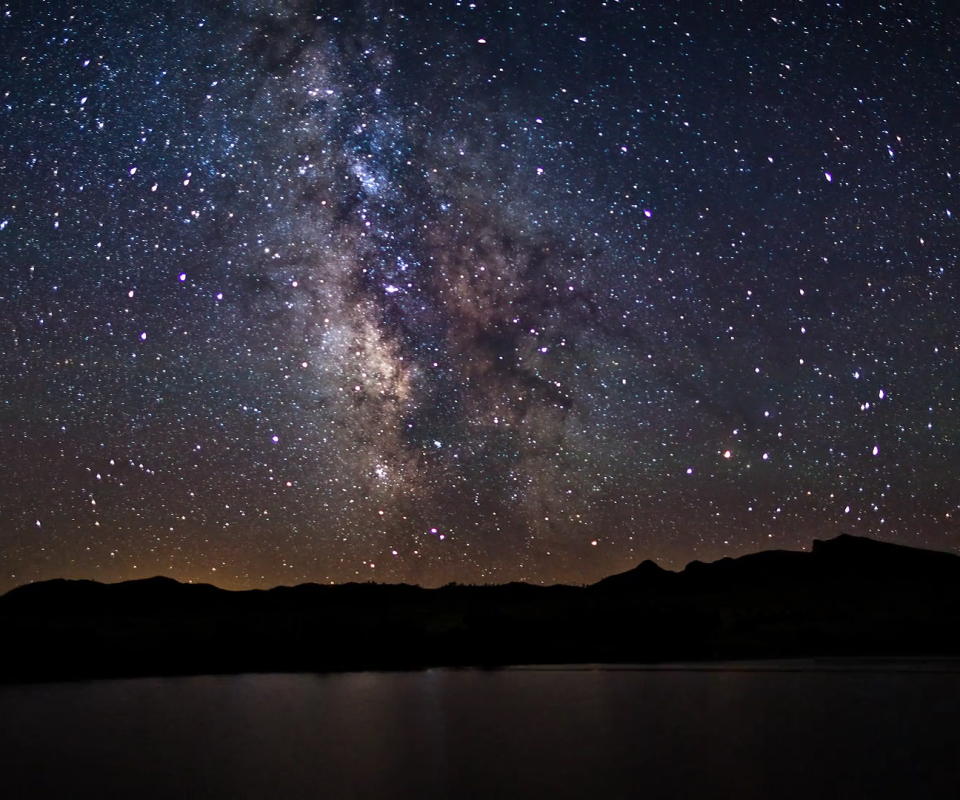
(500, 734)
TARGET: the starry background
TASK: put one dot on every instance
(452, 291)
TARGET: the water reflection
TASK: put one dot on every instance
(473, 733)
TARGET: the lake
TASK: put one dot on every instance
(851, 729)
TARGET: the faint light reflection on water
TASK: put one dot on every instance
(787, 730)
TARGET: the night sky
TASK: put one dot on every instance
(296, 291)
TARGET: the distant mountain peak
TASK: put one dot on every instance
(646, 575)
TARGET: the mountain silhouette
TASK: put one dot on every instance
(848, 596)
(850, 560)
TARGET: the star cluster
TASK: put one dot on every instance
(298, 291)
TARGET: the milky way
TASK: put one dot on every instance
(301, 291)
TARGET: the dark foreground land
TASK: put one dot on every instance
(848, 597)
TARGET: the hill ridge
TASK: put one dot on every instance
(845, 596)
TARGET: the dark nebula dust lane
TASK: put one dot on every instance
(304, 291)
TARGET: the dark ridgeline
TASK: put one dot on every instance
(850, 596)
